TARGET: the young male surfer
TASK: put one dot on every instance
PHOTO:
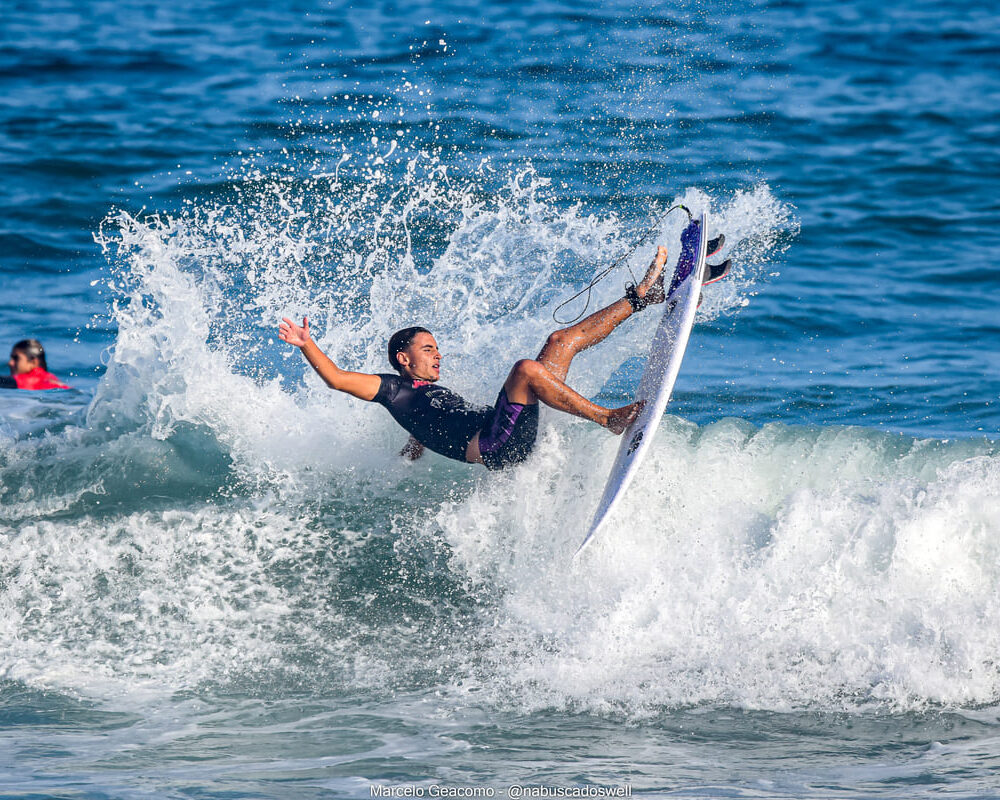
(496, 437)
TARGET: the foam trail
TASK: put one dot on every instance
(828, 568)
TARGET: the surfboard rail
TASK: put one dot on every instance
(666, 352)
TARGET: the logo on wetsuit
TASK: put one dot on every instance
(444, 400)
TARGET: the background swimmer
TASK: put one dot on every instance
(28, 368)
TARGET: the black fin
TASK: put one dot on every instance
(715, 245)
(716, 272)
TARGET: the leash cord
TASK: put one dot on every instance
(623, 258)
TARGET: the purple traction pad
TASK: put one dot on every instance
(690, 242)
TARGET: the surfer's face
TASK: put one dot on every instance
(421, 360)
(20, 363)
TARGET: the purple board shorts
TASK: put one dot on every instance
(509, 435)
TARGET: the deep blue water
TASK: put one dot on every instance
(218, 580)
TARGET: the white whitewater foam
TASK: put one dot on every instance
(160, 600)
(835, 568)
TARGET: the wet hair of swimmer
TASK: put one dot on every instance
(32, 348)
(399, 341)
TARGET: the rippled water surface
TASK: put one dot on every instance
(217, 579)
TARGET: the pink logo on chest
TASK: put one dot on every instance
(418, 384)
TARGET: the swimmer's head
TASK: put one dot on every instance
(414, 353)
(25, 356)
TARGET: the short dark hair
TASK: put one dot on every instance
(32, 348)
(399, 341)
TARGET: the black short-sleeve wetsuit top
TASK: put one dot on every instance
(435, 416)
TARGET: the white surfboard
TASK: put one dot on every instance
(665, 356)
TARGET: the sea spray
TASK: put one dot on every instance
(773, 568)
(225, 519)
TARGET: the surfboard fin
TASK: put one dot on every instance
(715, 245)
(716, 272)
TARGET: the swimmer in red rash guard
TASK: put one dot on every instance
(446, 423)
(28, 369)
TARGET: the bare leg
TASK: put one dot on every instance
(563, 345)
(544, 379)
(530, 381)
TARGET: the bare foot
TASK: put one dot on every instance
(652, 283)
(620, 418)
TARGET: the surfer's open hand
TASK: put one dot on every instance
(295, 335)
(620, 418)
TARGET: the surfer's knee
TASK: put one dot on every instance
(526, 371)
(523, 381)
(525, 368)
(559, 339)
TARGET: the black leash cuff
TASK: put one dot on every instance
(637, 303)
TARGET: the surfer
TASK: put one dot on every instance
(496, 437)
(28, 369)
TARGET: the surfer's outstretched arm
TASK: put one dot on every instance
(360, 384)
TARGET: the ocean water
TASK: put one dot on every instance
(217, 578)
